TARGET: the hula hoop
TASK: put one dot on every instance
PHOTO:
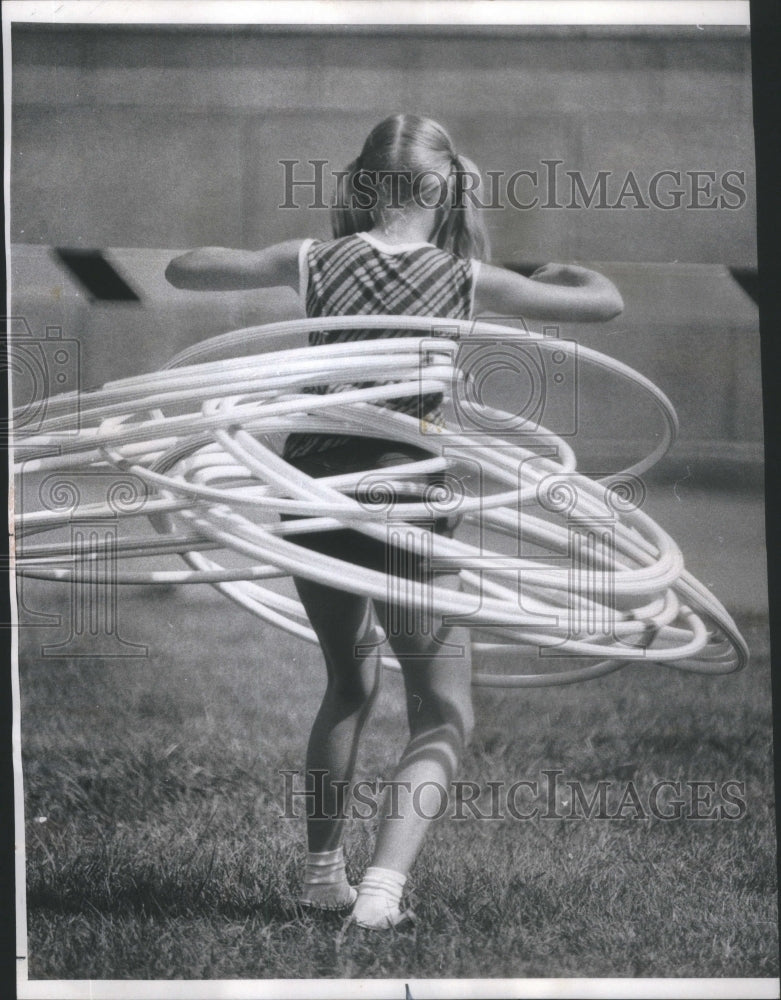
(606, 583)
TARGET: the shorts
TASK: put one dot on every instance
(370, 454)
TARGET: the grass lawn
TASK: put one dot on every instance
(155, 847)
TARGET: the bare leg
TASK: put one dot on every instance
(437, 678)
(342, 622)
(436, 663)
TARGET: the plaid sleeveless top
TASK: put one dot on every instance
(361, 275)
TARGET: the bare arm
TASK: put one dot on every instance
(219, 269)
(555, 291)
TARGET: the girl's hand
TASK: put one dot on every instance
(562, 274)
(564, 292)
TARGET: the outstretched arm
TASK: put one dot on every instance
(554, 291)
(219, 269)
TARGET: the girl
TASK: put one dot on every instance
(408, 239)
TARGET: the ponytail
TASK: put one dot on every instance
(461, 229)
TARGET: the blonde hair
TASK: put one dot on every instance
(417, 157)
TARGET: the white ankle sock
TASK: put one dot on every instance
(379, 895)
(325, 881)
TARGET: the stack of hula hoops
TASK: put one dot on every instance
(553, 565)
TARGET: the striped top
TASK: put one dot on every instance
(362, 275)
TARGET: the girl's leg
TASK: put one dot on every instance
(342, 622)
(436, 664)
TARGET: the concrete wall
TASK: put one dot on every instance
(171, 137)
(167, 138)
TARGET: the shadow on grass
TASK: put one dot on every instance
(145, 898)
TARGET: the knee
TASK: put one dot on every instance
(440, 718)
(355, 691)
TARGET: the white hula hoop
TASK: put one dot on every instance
(196, 437)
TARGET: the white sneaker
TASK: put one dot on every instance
(383, 920)
(377, 907)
